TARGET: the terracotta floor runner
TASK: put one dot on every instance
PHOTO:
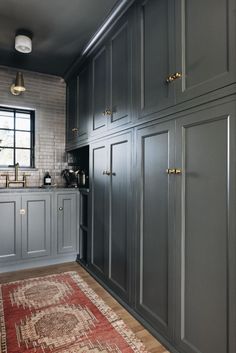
(61, 314)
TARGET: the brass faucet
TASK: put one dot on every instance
(16, 181)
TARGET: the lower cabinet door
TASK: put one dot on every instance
(67, 223)
(120, 192)
(155, 190)
(10, 228)
(36, 225)
(98, 207)
(206, 248)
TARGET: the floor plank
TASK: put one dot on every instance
(150, 342)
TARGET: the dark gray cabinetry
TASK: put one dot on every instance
(84, 99)
(205, 46)
(98, 204)
(110, 201)
(36, 225)
(185, 49)
(111, 84)
(66, 222)
(99, 89)
(72, 123)
(10, 232)
(155, 60)
(156, 223)
(205, 229)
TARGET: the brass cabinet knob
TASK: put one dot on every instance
(60, 208)
(75, 129)
(107, 112)
(173, 77)
(178, 171)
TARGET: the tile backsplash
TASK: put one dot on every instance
(46, 95)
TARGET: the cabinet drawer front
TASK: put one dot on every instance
(66, 223)
(10, 228)
(36, 226)
(205, 226)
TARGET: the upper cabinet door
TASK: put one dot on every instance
(120, 75)
(99, 90)
(205, 46)
(83, 101)
(71, 111)
(155, 60)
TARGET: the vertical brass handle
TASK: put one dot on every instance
(173, 77)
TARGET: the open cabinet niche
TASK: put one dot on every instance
(78, 160)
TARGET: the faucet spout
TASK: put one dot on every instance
(16, 171)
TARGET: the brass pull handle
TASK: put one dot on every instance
(170, 171)
(173, 171)
(107, 112)
(60, 208)
(173, 77)
(75, 129)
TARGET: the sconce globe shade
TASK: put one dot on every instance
(23, 44)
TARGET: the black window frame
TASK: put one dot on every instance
(32, 135)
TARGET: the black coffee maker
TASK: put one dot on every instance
(71, 177)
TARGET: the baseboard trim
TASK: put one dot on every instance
(33, 263)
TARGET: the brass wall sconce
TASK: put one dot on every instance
(18, 87)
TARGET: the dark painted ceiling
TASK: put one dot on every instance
(61, 28)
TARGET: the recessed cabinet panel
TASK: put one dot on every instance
(204, 148)
(119, 213)
(99, 64)
(71, 111)
(36, 226)
(155, 55)
(10, 228)
(99, 180)
(155, 151)
(205, 46)
(120, 75)
(66, 223)
(84, 101)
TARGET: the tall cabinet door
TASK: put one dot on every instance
(71, 111)
(120, 214)
(99, 89)
(206, 231)
(98, 204)
(155, 216)
(36, 225)
(10, 232)
(66, 223)
(205, 45)
(155, 55)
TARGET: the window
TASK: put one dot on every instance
(16, 137)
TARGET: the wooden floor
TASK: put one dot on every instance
(153, 346)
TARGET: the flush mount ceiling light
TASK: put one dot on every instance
(23, 43)
(18, 87)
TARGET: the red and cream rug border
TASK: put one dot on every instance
(118, 324)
